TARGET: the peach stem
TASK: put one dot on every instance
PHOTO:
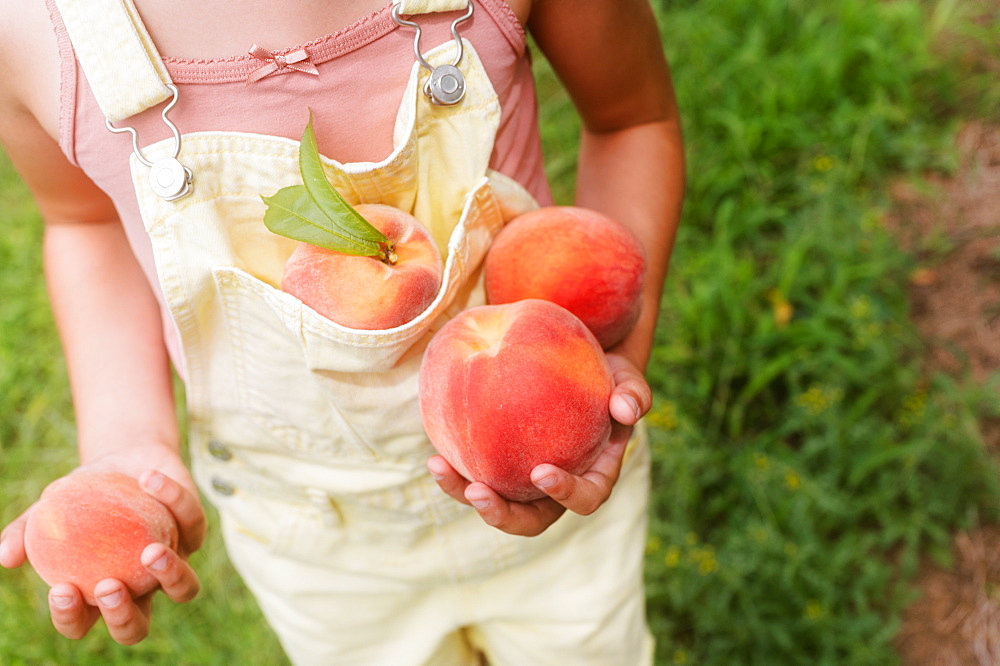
(387, 256)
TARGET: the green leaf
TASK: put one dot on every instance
(292, 212)
(315, 213)
(327, 199)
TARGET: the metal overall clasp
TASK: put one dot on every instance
(168, 178)
(446, 85)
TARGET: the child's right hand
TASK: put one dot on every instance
(127, 619)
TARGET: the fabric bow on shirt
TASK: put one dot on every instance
(274, 63)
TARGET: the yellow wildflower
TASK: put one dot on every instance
(664, 416)
(761, 461)
(817, 399)
(861, 307)
(822, 163)
(781, 309)
(913, 408)
(705, 559)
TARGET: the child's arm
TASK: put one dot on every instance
(109, 323)
(631, 167)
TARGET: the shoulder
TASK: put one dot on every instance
(30, 66)
(521, 9)
(609, 55)
(30, 71)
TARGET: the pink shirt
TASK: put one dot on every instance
(363, 70)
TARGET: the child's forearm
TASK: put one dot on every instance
(636, 175)
(109, 323)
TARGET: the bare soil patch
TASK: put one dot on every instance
(952, 225)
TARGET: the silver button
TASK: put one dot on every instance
(219, 451)
(222, 486)
(446, 85)
(169, 178)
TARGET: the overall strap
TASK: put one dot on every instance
(117, 55)
(411, 7)
(121, 62)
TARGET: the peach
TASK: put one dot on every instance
(366, 292)
(90, 525)
(587, 262)
(504, 388)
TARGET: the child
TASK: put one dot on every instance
(305, 435)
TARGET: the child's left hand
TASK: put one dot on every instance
(582, 494)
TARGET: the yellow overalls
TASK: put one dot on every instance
(307, 435)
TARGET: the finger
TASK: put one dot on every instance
(450, 481)
(127, 619)
(631, 397)
(176, 577)
(71, 616)
(586, 493)
(183, 504)
(12, 543)
(518, 518)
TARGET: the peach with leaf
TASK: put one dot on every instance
(369, 266)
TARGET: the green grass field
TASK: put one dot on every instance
(804, 459)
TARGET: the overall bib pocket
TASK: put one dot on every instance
(355, 386)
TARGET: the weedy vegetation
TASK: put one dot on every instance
(805, 459)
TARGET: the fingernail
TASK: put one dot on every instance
(480, 504)
(111, 600)
(634, 405)
(546, 481)
(160, 564)
(61, 601)
(153, 481)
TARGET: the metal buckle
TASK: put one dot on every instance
(168, 178)
(446, 85)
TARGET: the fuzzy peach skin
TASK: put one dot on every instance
(89, 526)
(504, 388)
(365, 292)
(587, 262)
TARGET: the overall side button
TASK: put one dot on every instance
(219, 451)
(222, 486)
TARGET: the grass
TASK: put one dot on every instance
(804, 460)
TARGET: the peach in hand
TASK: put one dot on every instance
(91, 525)
(504, 388)
(369, 292)
(587, 262)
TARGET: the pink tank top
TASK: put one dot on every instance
(363, 70)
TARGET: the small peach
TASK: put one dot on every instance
(90, 525)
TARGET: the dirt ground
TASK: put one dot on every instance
(952, 225)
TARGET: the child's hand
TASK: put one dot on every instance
(127, 619)
(582, 494)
